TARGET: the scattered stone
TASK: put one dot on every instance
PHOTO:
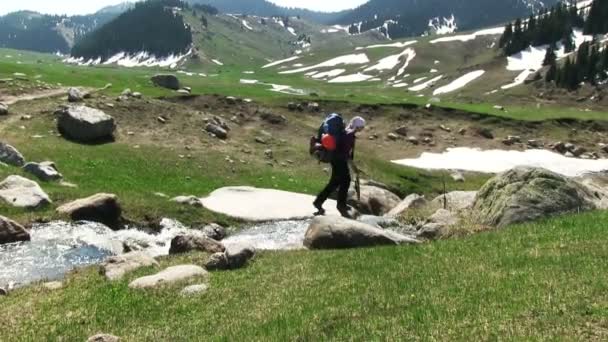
(268, 154)
(333, 232)
(217, 131)
(273, 118)
(511, 140)
(393, 136)
(292, 106)
(102, 208)
(525, 194)
(501, 108)
(578, 151)
(484, 132)
(233, 258)
(261, 140)
(413, 140)
(45, 171)
(166, 81)
(127, 93)
(116, 267)
(25, 118)
(10, 155)
(456, 200)
(374, 200)
(313, 107)
(188, 200)
(231, 100)
(195, 290)
(11, 231)
(535, 143)
(413, 201)
(3, 109)
(161, 119)
(188, 243)
(183, 92)
(169, 276)
(427, 140)
(445, 128)
(137, 95)
(402, 131)
(85, 124)
(53, 285)
(23, 193)
(462, 131)
(75, 95)
(103, 338)
(214, 231)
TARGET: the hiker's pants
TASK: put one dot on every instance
(340, 180)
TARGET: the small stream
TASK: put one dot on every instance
(58, 247)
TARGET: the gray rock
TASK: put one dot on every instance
(402, 131)
(273, 118)
(379, 222)
(535, 143)
(23, 193)
(313, 107)
(85, 124)
(3, 109)
(75, 95)
(3, 291)
(137, 95)
(413, 201)
(214, 231)
(511, 140)
(183, 92)
(333, 232)
(216, 130)
(484, 132)
(188, 243)
(103, 338)
(268, 154)
(169, 276)
(233, 258)
(195, 290)
(188, 200)
(102, 208)
(374, 200)
(457, 176)
(116, 267)
(525, 194)
(166, 81)
(457, 200)
(10, 155)
(11, 231)
(46, 171)
(597, 184)
(231, 100)
(413, 140)
(127, 92)
(292, 106)
(393, 136)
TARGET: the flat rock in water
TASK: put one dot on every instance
(45, 171)
(188, 243)
(116, 267)
(169, 276)
(333, 232)
(102, 208)
(23, 193)
(261, 205)
(10, 155)
(85, 124)
(11, 231)
(525, 194)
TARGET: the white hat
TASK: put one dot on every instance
(357, 122)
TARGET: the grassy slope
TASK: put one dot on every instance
(542, 281)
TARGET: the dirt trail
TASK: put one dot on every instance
(9, 100)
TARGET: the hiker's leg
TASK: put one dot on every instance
(344, 184)
(333, 184)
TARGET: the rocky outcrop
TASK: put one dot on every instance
(45, 171)
(332, 232)
(374, 200)
(525, 194)
(456, 200)
(102, 208)
(233, 258)
(413, 201)
(75, 95)
(169, 276)
(23, 193)
(85, 124)
(11, 231)
(10, 155)
(189, 243)
(166, 81)
(116, 267)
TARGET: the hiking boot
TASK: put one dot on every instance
(320, 210)
(344, 210)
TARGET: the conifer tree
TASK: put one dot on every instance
(550, 56)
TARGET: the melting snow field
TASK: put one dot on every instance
(443, 25)
(520, 79)
(275, 63)
(331, 73)
(466, 37)
(390, 62)
(395, 45)
(496, 161)
(426, 84)
(459, 82)
(141, 59)
(354, 78)
(360, 58)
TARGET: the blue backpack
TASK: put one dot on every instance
(332, 125)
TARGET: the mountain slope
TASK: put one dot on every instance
(401, 18)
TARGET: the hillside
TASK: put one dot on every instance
(33, 31)
(399, 18)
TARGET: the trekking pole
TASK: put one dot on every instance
(445, 197)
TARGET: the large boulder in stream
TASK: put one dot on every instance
(189, 243)
(524, 194)
(102, 208)
(374, 200)
(11, 231)
(85, 124)
(23, 193)
(333, 232)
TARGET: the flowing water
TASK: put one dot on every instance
(58, 247)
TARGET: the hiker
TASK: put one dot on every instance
(341, 161)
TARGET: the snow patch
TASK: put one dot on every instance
(426, 84)
(329, 74)
(140, 59)
(244, 81)
(466, 37)
(346, 60)
(275, 63)
(390, 62)
(246, 24)
(395, 45)
(292, 31)
(443, 25)
(496, 161)
(354, 78)
(520, 79)
(459, 82)
(217, 62)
